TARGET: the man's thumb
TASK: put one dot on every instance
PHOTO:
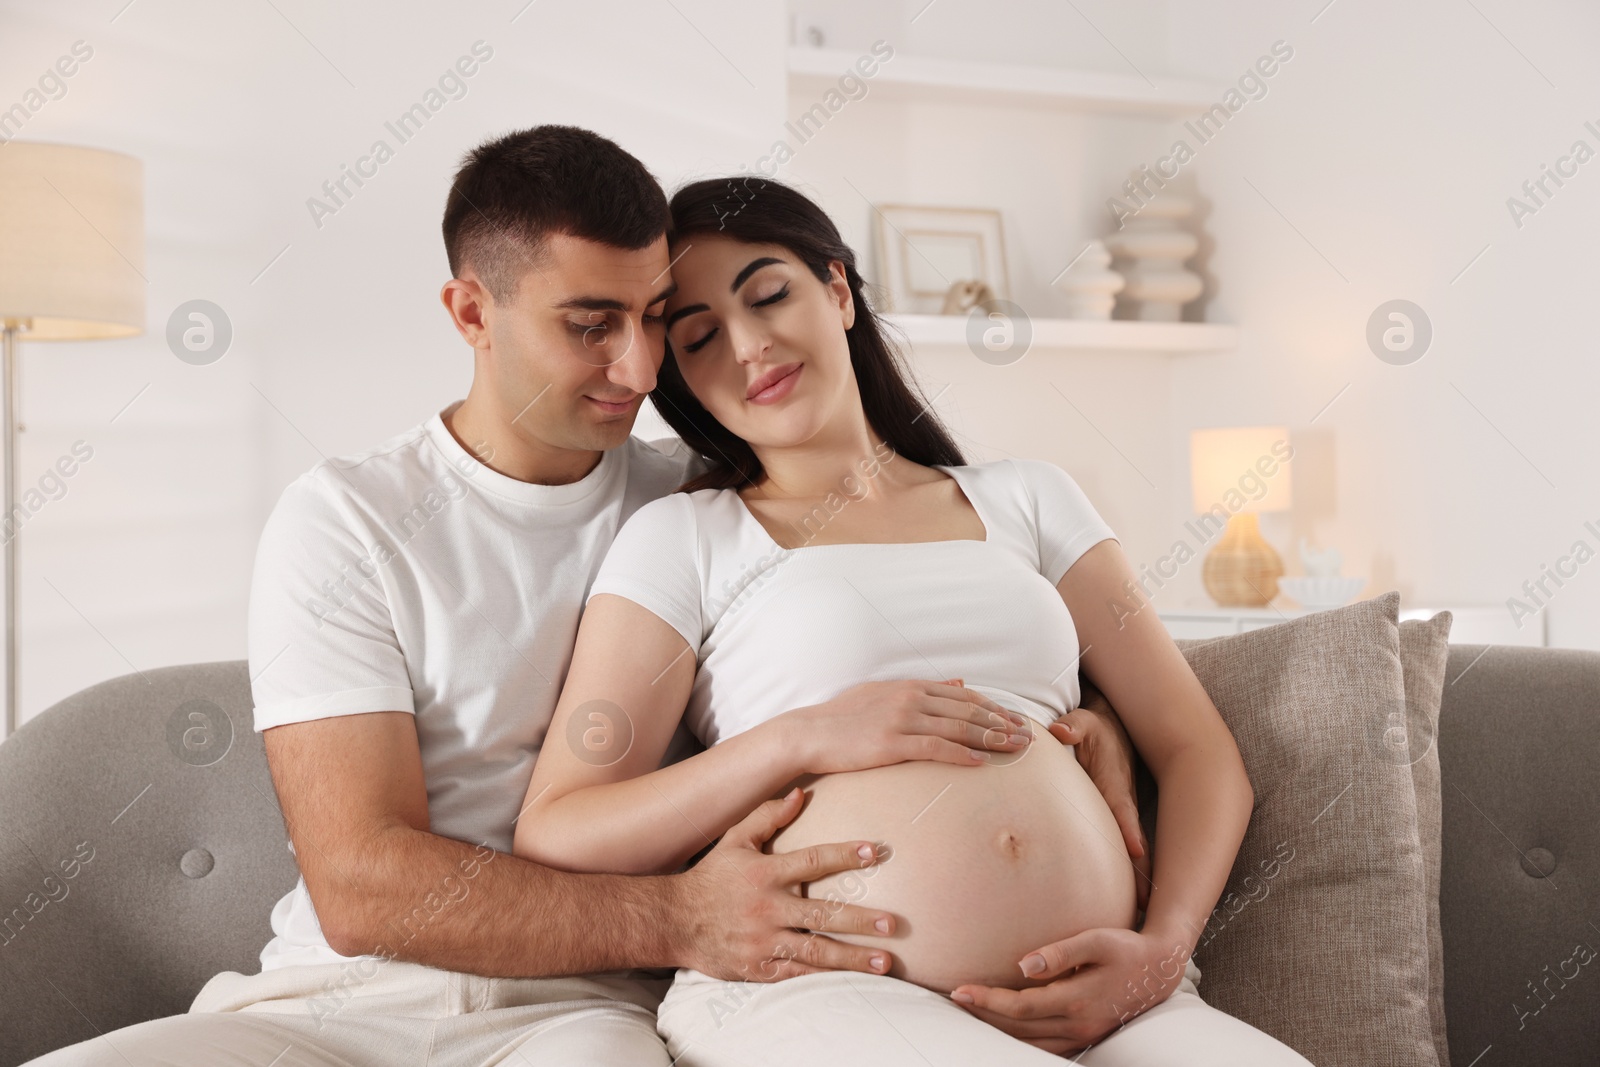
(1064, 731)
(754, 829)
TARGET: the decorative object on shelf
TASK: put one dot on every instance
(1089, 285)
(1323, 564)
(923, 251)
(1237, 474)
(1322, 587)
(62, 278)
(1154, 248)
(806, 32)
(966, 295)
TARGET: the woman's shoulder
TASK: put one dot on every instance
(1037, 495)
(699, 514)
(1021, 477)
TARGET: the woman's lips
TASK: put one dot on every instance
(775, 384)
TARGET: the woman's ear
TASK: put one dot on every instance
(839, 286)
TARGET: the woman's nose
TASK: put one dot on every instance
(750, 342)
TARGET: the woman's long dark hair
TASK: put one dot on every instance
(759, 211)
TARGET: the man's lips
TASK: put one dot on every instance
(615, 405)
(771, 378)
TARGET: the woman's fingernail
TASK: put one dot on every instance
(977, 755)
(882, 924)
(1020, 739)
(1032, 964)
(879, 963)
(964, 998)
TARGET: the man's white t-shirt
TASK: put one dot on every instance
(411, 577)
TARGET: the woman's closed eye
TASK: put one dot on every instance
(773, 299)
(696, 345)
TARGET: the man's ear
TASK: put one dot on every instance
(469, 303)
(839, 285)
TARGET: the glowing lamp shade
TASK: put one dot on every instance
(1234, 464)
(1237, 473)
(71, 241)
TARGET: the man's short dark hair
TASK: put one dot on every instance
(513, 192)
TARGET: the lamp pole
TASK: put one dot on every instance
(8, 415)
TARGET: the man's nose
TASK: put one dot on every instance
(637, 366)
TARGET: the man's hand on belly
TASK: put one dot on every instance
(1106, 753)
(747, 920)
(1103, 978)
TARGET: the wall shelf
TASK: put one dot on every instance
(1081, 334)
(812, 71)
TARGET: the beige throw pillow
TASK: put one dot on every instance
(1321, 936)
(1424, 650)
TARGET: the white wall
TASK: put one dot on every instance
(1386, 147)
(240, 114)
(1390, 142)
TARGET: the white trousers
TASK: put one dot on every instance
(392, 1013)
(843, 1018)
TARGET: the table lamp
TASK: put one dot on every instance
(71, 269)
(1237, 474)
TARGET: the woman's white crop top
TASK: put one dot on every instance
(774, 629)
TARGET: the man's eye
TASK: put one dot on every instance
(656, 320)
(586, 327)
(695, 346)
(773, 299)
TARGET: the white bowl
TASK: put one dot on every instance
(1321, 593)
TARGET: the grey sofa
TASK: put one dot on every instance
(152, 791)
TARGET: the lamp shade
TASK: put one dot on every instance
(1244, 469)
(71, 241)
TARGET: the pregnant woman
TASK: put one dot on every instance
(840, 542)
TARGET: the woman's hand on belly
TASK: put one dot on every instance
(880, 723)
(1098, 980)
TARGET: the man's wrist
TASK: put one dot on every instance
(665, 915)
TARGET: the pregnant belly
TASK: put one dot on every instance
(984, 864)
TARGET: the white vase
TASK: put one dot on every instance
(1089, 286)
(1154, 247)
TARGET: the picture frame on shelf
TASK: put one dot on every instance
(923, 250)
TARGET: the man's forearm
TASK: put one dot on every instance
(416, 896)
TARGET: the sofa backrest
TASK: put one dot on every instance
(142, 849)
(141, 852)
(1519, 895)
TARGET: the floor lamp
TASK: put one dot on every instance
(71, 269)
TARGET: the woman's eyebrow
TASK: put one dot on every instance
(690, 309)
(749, 269)
(739, 279)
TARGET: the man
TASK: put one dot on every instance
(412, 615)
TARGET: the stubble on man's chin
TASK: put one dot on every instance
(599, 436)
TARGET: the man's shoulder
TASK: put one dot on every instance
(352, 483)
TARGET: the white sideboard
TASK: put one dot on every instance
(1475, 624)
